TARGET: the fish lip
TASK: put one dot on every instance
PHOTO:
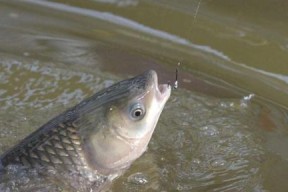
(163, 91)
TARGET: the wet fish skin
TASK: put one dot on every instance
(103, 134)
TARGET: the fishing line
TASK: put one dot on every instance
(175, 86)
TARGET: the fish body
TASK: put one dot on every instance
(101, 135)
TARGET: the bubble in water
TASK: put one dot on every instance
(138, 178)
(185, 123)
(218, 164)
(24, 180)
(196, 161)
(183, 187)
(209, 130)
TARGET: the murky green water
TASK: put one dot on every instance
(211, 136)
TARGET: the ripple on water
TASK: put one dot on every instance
(209, 145)
(209, 131)
(218, 164)
(42, 85)
(138, 178)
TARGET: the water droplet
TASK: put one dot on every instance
(246, 100)
(138, 178)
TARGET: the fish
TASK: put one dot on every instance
(102, 135)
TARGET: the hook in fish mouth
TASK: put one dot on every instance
(175, 86)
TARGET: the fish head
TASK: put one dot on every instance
(132, 110)
(135, 117)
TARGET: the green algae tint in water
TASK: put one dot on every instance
(204, 141)
(218, 146)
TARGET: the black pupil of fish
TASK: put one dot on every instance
(137, 113)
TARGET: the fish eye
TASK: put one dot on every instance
(137, 111)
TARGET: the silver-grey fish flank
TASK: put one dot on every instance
(103, 134)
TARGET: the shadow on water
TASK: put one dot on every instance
(224, 129)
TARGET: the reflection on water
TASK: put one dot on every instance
(203, 142)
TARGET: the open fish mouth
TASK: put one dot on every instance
(163, 91)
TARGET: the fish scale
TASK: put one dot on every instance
(58, 148)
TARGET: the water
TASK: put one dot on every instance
(223, 129)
